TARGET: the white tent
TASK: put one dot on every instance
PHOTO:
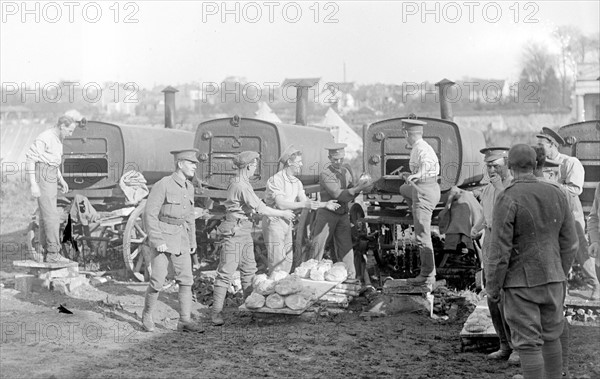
(265, 113)
(342, 133)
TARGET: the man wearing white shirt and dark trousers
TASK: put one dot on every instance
(422, 193)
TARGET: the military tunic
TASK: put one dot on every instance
(237, 249)
(169, 219)
(335, 224)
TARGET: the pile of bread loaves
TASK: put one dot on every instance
(280, 290)
(322, 270)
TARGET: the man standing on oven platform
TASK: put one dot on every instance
(422, 193)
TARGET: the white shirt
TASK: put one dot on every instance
(281, 184)
(423, 163)
(571, 174)
(47, 148)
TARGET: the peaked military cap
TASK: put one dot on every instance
(337, 150)
(551, 163)
(244, 158)
(412, 125)
(493, 153)
(522, 156)
(551, 136)
(186, 154)
(291, 150)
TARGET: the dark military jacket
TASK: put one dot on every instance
(169, 215)
(534, 239)
(334, 186)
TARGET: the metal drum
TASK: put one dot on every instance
(96, 156)
(220, 140)
(456, 147)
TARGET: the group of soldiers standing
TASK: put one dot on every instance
(533, 227)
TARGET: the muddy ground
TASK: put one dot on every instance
(103, 337)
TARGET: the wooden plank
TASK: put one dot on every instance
(581, 299)
(43, 265)
(397, 286)
(320, 287)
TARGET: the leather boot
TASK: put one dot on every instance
(219, 294)
(185, 323)
(149, 305)
(420, 280)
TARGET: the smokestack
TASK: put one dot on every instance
(445, 106)
(169, 106)
(302, 86)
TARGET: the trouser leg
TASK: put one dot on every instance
(406, 192)
(425, 199)
(498, 322)
(342, 239)
(278, 240)
(229, 260)
(247, 264)
(324, 225)
(47, 202)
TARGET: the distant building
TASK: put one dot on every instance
(117, 99)
(15, 112)
(587, 92)
(490, 91)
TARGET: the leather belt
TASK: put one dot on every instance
(172, 221)
(432, 179)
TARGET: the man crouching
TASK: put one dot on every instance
(169, 219)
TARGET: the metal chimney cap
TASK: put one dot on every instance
(300, 82)
(444, 82)
(170, 89)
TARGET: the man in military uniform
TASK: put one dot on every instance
(170, 221)
(533, 244)
(336, 184)
(422, 193)
(43, 161)
(571, 177)
(237, 249)
(496, 161)
(285, 191)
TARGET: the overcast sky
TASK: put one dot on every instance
(174, 42)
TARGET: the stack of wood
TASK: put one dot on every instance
(342, 294)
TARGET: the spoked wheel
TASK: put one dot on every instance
(136, 251)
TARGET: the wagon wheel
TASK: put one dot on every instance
(136, 251)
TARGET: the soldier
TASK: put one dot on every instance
(285, 191)
(533, 244)
(336, 184)
(593, 229)
(169, 218)
(571, 177)
(237, 250)
(422, 193)
(43, 161)
(495, 159)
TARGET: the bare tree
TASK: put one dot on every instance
(568, 38)
(536, 59)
